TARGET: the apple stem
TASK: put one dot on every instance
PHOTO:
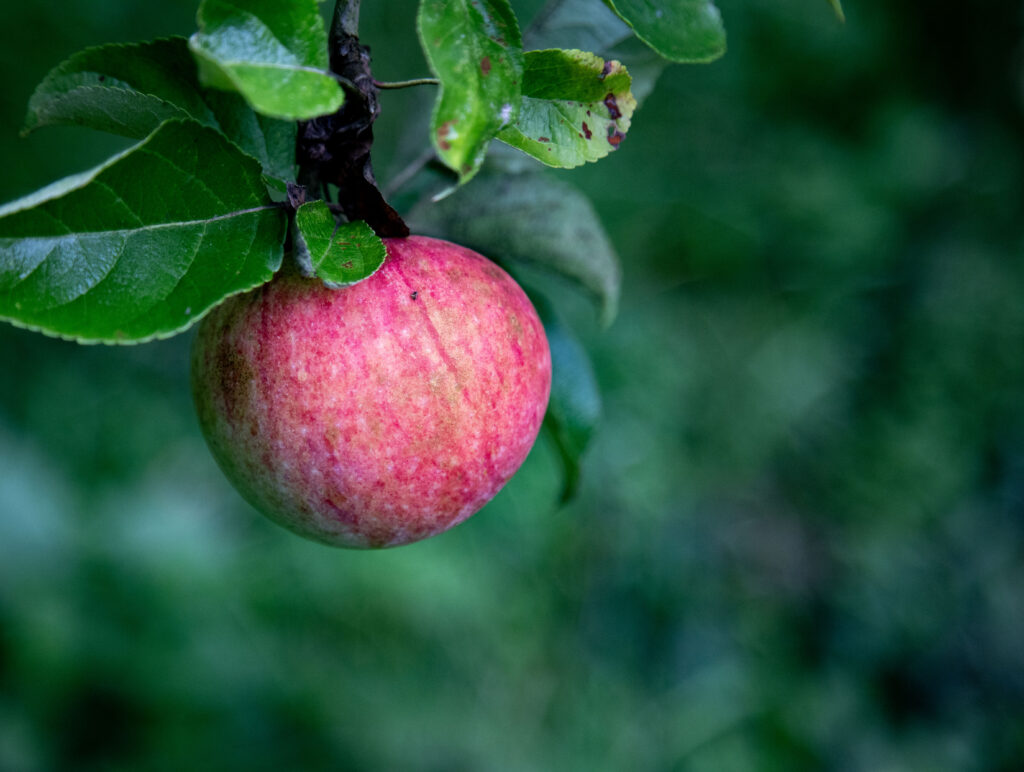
(335, 149)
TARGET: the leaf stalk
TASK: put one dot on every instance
(406, 83)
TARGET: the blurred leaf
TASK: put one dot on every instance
(530, 218)
(274, 54)
(837, 6)
(574, 409)
(475, 49)
(586, 24)
(679, 30)
(143, 245)
(340, 254)
(131, 89)
(576, 108)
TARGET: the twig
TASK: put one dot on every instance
(346, 19)
(410, 171)
(407, 83)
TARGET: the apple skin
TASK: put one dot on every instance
(378, 414)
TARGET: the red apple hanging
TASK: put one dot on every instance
(378, 414)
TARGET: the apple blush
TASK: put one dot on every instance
(378, 414)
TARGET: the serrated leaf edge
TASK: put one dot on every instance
(73, 182)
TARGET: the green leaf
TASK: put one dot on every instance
(143, 245)
(269, 140)
(131, 89)
(124, 89)
(586, 24)
(576, 108)
(534, 219)
(475, 50)
(591, 26)
(340, 254)
(837, 6)
(679, 30)
(574, 409)
(272, 53)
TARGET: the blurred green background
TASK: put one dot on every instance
(799, 543)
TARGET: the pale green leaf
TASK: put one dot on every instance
(576, 108)
(274, 54)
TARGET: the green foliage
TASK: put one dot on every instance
(339, 253)
(797, 542)
(274, 54)
(99, 258)
(574, 411)
(131, 89)
(248, 74)
(475, 50)
(679, 30)
(124, 89)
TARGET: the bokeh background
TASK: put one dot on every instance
(799, 540)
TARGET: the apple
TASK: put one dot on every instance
(377, 414)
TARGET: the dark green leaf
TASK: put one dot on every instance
(131, 89)
(679, 30)
(531, 218)
(574, 409)
(270, 141)
(576, 108)
(340, 254)
(124, 89)
(274, 54)
(475, 50)
(143, 245)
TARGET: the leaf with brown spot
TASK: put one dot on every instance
(573, 103)
(339, 254)
(476, 52)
